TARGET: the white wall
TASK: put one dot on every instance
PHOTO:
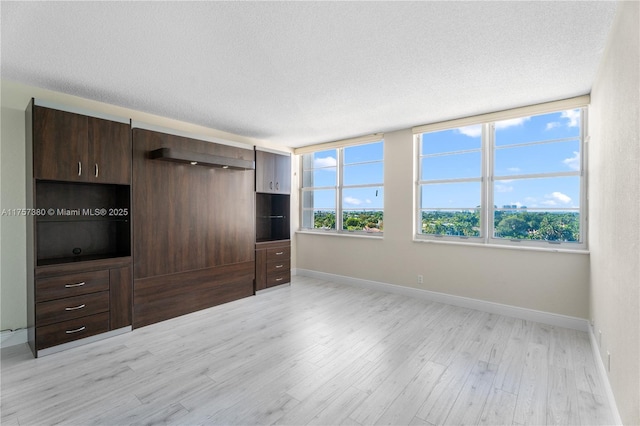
(545, 281)
(614, 193)
(14, 100)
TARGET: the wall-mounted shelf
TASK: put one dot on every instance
(200, 159)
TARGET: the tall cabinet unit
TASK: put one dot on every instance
(273, 244)
(79, 280)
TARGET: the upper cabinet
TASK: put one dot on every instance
(273, 173)
(74, 147)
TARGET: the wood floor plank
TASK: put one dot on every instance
(594, 409)
(562, 397)
(496, 343)
(499, 408)
(404, 408)
(531, 406)
(315, 352)
(510, 368)
(327, 395)
(338, 412)
(472, 398)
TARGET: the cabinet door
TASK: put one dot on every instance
(283, 174)
(121, 297)
(59, 145)
(261, 269)
(109, 151)
(265, 171)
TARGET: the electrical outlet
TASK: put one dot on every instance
(608, 361)
(420, 279)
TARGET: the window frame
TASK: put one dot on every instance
(339, 190)
(487, 211)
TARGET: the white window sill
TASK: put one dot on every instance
(369, 235)
(501, 246)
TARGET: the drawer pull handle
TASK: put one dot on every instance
(79, 168)
(279, 279)
(75, 308)
(280, 253)
(96, 170)
(279, 266)
(77, 330)
(74, 285)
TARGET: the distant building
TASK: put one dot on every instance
(513, 208)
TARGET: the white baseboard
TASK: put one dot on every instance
(604, 376)
(12, 338)
(465, 302)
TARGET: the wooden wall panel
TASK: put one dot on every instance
(189, 217)
(163, 297)
(194, 229)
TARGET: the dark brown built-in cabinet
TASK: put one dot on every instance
(273, 246)
(130, 226)
(79, 229)
(194, 225)
(273, 172)
(75, 147)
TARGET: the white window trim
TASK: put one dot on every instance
(339, 187)
(487, 179)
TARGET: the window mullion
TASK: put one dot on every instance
(340, 173)
(488, 144)
(417, 199)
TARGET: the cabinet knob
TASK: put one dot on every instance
(277, 186)
(271, 185)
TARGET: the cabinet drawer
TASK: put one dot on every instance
(71, 307)
(278, 253)
(278, 278)
(71, 285)
(278, 266)
(67, 331)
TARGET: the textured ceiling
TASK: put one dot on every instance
(298, 73)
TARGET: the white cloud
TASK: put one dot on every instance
(368, 201)
(324, 162)
(549, 203)
(352, 201)
(503, 188)
(553, 125)
(513, 169)
(471, 131)
(555, 197)
(573, 115)
(573, 162)
(511, 123)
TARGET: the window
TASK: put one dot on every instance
(517, 181)
(342, 189)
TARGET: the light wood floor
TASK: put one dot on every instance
(315, 353)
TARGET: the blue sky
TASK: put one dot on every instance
(510, 160)
(542, 193)
(363, 166)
